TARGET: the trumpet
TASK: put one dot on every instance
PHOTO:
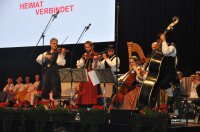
(100, 55)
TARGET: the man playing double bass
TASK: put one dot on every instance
(167, 70)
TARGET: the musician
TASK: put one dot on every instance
(168, 69)
(87, 95)
(180, 76)
(110, 60)
(192, 78)
(195, 86)
(153, 49)
(154, 46)
(51, 61)
(130, 98)
(75, 96)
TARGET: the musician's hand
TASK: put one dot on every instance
(120, 80)
(63, 51)
(96, 58)
(104, 56)
(84, 56)
(142, 72)
(48, 57)
(162, 38)
(134, 67)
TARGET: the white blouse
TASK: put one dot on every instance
(168, 50)
(193, 92)
(124, 77)
(81, 63)
(112, 62)
(60, 60)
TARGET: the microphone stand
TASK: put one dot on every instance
(79, 39)
(116, 46)
(43, 37)
(83, 32)
(71, 59)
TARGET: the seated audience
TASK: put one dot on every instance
(36, 91)
(8, 89)
(28, 90)
(19, 91)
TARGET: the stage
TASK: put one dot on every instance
(89, 120)
(75, 127)
(128, 128)
(182, 126)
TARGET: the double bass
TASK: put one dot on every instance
(148, 92)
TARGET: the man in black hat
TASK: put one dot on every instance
(110, 60)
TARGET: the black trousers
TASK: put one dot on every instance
(163, 83)
(51, 81)
(165, 79)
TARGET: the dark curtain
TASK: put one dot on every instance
(139, 21)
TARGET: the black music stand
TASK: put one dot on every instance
(105, 76)
(73, 75)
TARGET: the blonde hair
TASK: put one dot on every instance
(135, 58)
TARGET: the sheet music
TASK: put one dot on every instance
(93, 76)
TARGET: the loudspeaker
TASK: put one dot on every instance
(121, 116)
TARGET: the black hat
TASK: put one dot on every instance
(110, 47)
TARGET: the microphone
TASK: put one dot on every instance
(55, 15)
(87, 27)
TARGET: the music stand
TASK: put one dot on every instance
(73, 75)
(105, 76)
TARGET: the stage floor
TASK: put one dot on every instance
(174, 127)
(183, 126)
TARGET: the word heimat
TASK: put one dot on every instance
(39, 10)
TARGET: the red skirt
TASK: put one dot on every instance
(87, 93)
